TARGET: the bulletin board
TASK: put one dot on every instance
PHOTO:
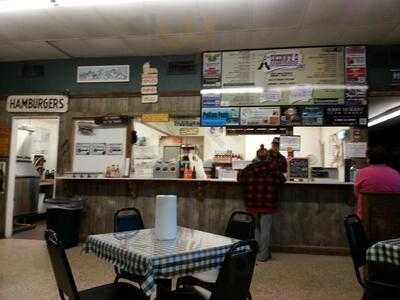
(106, 146)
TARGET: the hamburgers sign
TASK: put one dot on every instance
(37, 103)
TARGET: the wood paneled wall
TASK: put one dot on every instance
(311, 218)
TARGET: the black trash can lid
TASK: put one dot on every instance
(64, 203)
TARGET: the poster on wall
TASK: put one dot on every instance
(312, 116)
(112, 73)
(346, 116)
(212, 69)
(356, 75)
(288, 76)
(291, 116)
(220, 116)
(260, 116)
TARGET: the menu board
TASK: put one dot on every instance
(260, 116)
(300, 85)
(299, 168)
(288, 76)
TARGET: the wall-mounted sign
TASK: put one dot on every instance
(149, 98)
(290, 141)
(299, 168)
(5, 134)
(150, 79)
(189, 131)
(155, 118)
(146, 90)
(187, 122)
(37, 103)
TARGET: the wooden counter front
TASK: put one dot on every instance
(311, 217)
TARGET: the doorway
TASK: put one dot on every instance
(32, 169)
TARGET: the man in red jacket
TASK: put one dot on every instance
(262, 180)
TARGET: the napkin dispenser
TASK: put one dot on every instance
(166, 169)
(166, 217)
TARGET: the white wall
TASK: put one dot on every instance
(310, 144)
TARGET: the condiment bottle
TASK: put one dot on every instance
(194, 173)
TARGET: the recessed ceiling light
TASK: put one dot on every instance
(20, 5)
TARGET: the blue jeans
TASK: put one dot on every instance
(263, 236)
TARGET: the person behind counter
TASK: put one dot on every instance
(262, 180)
(282, 162)
(377, 177)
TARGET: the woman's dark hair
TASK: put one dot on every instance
(377, 155)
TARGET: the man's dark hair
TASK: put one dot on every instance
(377, 155)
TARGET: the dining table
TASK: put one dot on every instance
(159, 261)
(387, 252)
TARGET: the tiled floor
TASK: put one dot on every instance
(25, 273)
(34, 234)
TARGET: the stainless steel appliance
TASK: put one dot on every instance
(3, 194)
(27, 184)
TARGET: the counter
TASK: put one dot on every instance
(310, 220)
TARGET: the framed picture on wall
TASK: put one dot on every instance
(112, 73)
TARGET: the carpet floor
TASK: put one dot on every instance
(25, 273)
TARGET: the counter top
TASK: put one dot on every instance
(333, 182)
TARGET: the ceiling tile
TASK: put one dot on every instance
(279, 13)
(372, 34)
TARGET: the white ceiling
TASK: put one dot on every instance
(161, 27)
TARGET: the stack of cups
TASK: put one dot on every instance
(165, 222)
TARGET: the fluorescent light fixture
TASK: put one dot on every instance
(20, 5)
(384, 118)
(92, 2)
(234, 90)
(319, 87)
(260, 90)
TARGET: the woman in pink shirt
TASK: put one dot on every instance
(377, 177)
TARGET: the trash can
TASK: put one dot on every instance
(64, 217)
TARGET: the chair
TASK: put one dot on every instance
(66, 283)
(358, 244)
(234, 278)
(127, 219)
(241, 226)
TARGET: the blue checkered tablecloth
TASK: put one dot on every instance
(140, 252)
(385, 252)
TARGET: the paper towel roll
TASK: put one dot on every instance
(165, 223)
